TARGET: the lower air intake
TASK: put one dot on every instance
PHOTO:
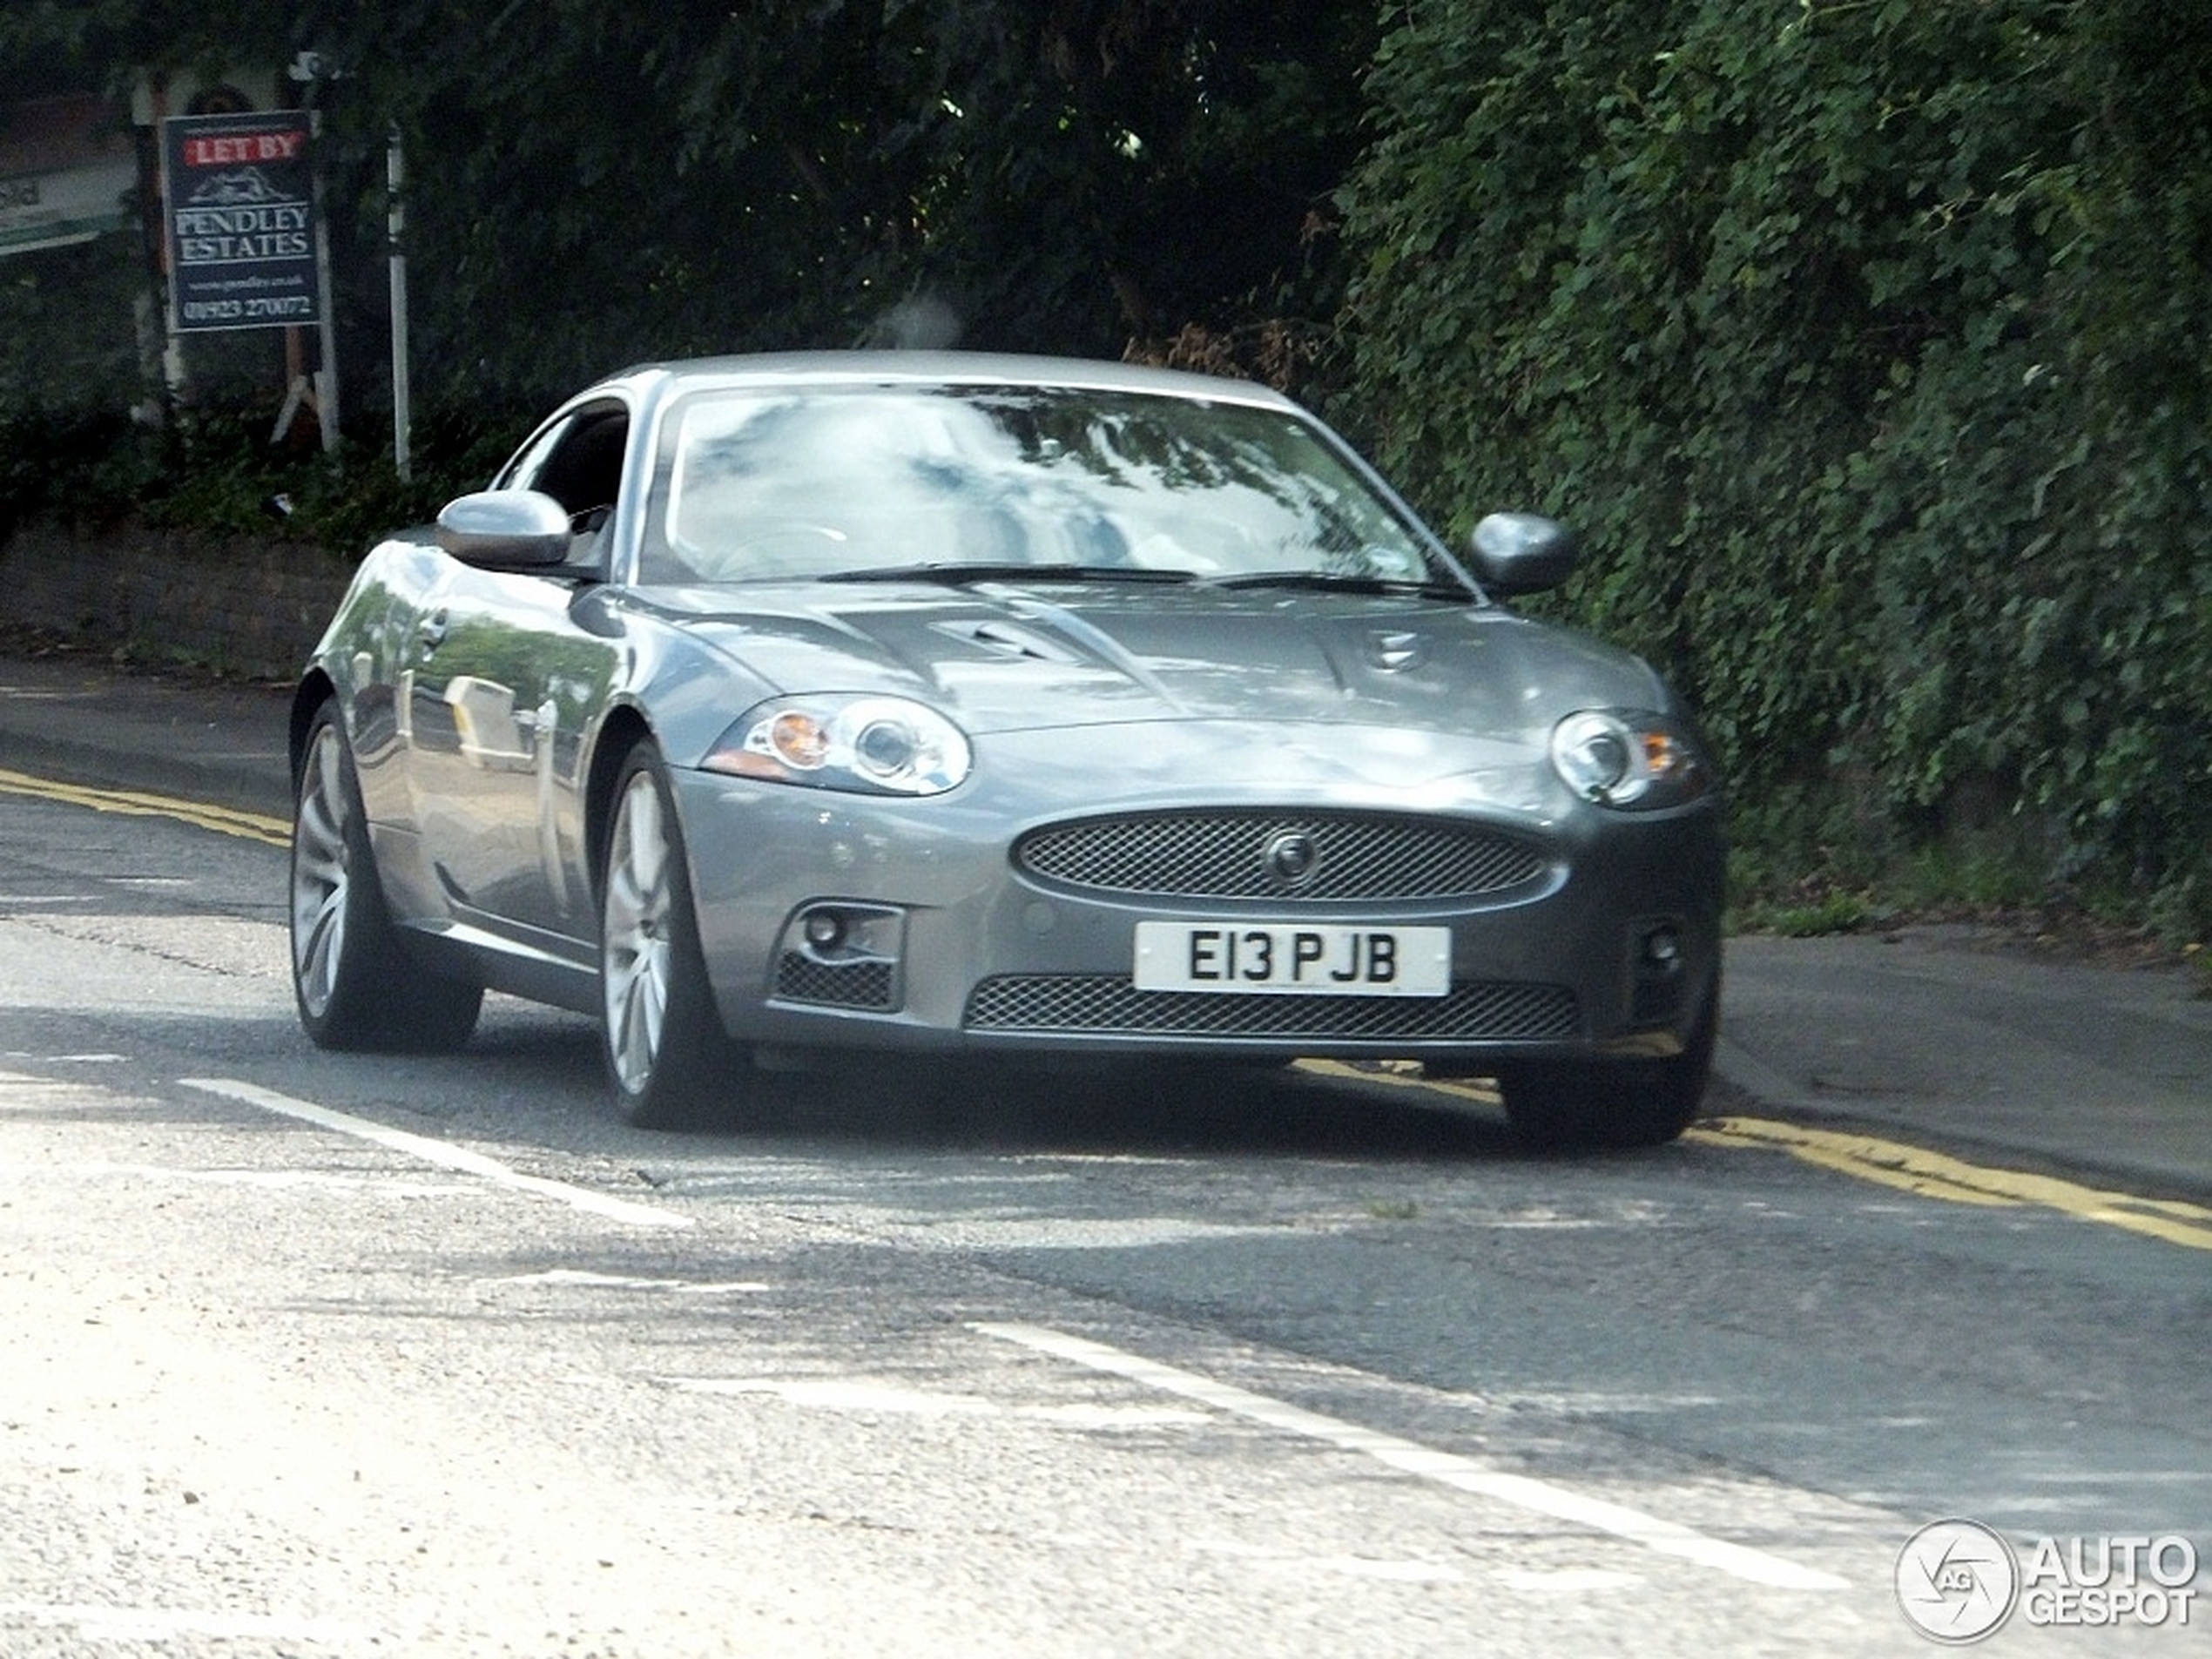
(866, 983)
(1066, 1004)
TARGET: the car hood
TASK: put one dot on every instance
(1006, 657)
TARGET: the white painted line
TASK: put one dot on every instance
(438, 1152)
(270, 1180)
(873, 1395)
(1403, 1572)
(134, 1624)
(860, 1394)
(1447, 1468)
(586, 1277)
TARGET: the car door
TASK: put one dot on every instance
(503, 683)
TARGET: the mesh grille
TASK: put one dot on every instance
(1225, 855)
(865, 984)
(1101, 1003)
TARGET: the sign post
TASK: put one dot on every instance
(395, 234)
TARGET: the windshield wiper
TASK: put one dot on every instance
(1326, 582)
(954, 574)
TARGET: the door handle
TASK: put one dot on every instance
(431, 631)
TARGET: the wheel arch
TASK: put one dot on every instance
(619, 733)
(315, 690)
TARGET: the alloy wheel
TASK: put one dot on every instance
(322, 872)
(638, 959)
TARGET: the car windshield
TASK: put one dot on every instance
(777, 483)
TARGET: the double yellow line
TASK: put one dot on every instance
(252, 826)
(1932, 1175)
(1888, 1164)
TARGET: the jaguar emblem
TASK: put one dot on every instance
(1291, 857)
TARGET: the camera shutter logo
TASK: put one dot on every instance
(1957, 1580)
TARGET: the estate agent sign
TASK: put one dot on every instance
(239, 190)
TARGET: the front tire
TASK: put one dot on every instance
(666, 1055)
(1611, 1105)
(357, 986)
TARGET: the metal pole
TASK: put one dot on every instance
(396, 231)
(327, 376)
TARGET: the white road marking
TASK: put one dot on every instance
(842, 1394)
(627, 1282)
(1571, 1581)
(1447, 1468)
(1076, 1414)
(273, 1180)
(437, 1152)
(869, 1395)
(166, 1624)
(1400, 1571)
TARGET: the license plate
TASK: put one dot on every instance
(1334, 961)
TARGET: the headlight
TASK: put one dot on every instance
(1628, 757)
(877, 745)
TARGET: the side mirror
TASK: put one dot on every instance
(1522, 553)
(506, 529)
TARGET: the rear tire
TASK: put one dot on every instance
(1608, 1105)
(357, 985)
(667, 1057)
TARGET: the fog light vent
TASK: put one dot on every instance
(841, 955)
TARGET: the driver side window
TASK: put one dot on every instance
(577, 461)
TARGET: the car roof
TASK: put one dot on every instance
(938, 368)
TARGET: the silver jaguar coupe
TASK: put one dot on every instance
(779, 707)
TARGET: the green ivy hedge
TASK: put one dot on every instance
(1864, 341)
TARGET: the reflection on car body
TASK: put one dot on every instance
(974, 705)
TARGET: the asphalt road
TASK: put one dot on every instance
(313, 1354)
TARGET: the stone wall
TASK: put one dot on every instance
(248, 608)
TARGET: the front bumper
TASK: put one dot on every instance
(831, 920)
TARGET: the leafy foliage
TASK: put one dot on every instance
(1858, 340)
(594, 186)
(68, 374)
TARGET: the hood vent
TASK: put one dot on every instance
(1011, 639)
